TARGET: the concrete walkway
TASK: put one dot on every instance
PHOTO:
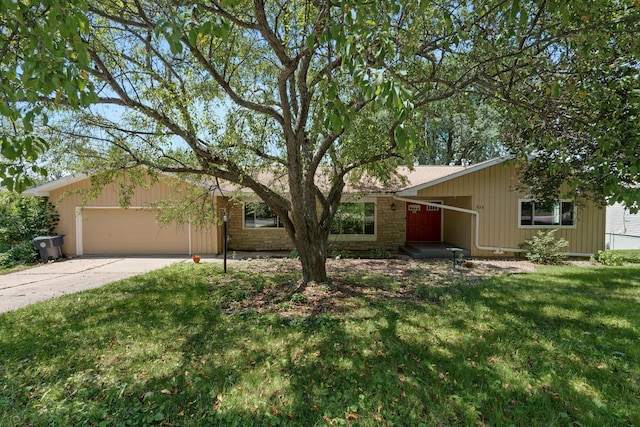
(54, 279)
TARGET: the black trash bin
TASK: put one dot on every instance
(49, 247)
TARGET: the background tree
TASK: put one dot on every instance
(462, 128)
(231, 89)
(575, 123)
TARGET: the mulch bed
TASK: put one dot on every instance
(354, 279)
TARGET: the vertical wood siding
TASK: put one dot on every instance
(203, 240)
(492, 195)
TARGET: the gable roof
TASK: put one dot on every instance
(416, 179)
(454, 172)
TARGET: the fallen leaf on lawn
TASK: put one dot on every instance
(165, 391)
(275, 411)
(352, 416)
(441, 375)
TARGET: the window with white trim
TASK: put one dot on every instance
(541, 215)
(355, 219)
(259, 215)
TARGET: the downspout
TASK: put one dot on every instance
(498, 250)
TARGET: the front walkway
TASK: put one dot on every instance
(425, 250)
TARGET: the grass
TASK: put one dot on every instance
(6, 269)
(187, 346)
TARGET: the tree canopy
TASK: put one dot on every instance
(41, 55)
(318, 91)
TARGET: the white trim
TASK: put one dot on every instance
(46, 189)
(413, 191)
(79, 248)
(551, 226)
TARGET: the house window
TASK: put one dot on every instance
(540, 215)
(355, 219)
(259, 215)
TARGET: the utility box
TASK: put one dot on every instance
(49, 247)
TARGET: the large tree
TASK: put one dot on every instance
(310, 90)
(577, 125)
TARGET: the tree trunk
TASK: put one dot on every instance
(313, 257)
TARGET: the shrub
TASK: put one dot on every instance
(23, 253)
(21, 219)
(379, 253)
(609, 258)
(545, 248)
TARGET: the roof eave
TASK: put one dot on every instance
(45, 190)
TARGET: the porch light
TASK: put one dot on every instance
(393, 207)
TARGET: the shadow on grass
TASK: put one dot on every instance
(556, 348)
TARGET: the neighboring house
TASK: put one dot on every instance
(474, 207)
(623, 228)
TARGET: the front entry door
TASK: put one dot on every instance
(424, 223)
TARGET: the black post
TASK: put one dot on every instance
(224, 243)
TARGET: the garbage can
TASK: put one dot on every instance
(49, 247)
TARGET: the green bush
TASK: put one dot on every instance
(609, 258)
(545, 248)
(21, 219)
(24, 253)
(379, 253)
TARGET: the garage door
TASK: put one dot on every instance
(130, 232)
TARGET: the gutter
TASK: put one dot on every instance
(497, 250)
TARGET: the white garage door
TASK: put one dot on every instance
(130, 232)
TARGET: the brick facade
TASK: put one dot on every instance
(390, 232)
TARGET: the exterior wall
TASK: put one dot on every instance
(252, 239)
(203, 241)
(458, 225)
(491, 194)
(390, 231)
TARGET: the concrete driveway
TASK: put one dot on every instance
(51, 280)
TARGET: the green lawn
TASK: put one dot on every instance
(189, 346)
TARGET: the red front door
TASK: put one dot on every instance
(424, 223)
